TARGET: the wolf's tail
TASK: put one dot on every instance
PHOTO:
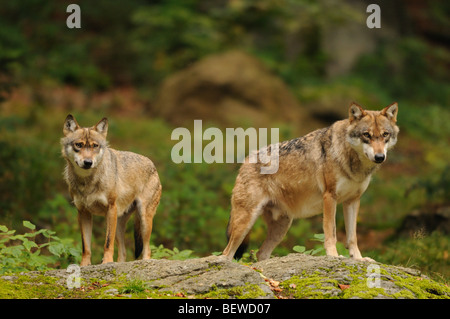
(242, 247)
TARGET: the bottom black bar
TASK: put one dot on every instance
(205, 308)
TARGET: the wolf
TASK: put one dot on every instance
(104, 181)
(316, 172)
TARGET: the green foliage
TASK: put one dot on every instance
(180, 32)
(194, 207)
(319, 249)
(437, 189)
(247, 257)
(161, 252)
(133, 286)
(12, 49)
(164, 36)
(315, 251)
(429, 253)
(60, 215)
(24, 252)
(21, 167)
(406, 68)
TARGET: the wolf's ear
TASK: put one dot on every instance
(355, 112)
(391, 111)
(102, 126)
(70, 125)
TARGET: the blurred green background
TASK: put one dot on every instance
(150, 66)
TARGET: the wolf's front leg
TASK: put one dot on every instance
(351, 209)
(111, 224)
(329, 223)
(85, 223)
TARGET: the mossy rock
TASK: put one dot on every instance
(293, 276)
(304, 276)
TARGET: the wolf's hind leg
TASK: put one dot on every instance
(241, 221)
(239, 226)
(277, 227)
(120, 236)
(143, 226)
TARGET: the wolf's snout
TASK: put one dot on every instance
(379, 158)
(87, 163)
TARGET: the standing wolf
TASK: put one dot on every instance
(103, 181)
(316, 172)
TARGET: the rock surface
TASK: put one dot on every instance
(292, 276)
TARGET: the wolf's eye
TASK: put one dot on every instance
(385, 134)
(79, 145)
(366, 134)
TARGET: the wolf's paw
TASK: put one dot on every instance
(85, 263)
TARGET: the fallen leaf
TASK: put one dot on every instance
(274, 283)
(343, 287)
(293, 286)
(277, 289)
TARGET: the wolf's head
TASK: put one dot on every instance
(373, 133)
(84, 147)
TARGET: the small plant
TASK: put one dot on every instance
(23, 252)
(319, 249)
(249, 257)
(312, 252)
(134, 286)
(161, 252)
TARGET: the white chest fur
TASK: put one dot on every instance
(348, 189)
(88, 201)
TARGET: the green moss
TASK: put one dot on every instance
(312, 286)
(46, 287)
(244, 292)
(136, 289)
(25, 287)
(421, 288)
(359, 289)
(319, 285)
